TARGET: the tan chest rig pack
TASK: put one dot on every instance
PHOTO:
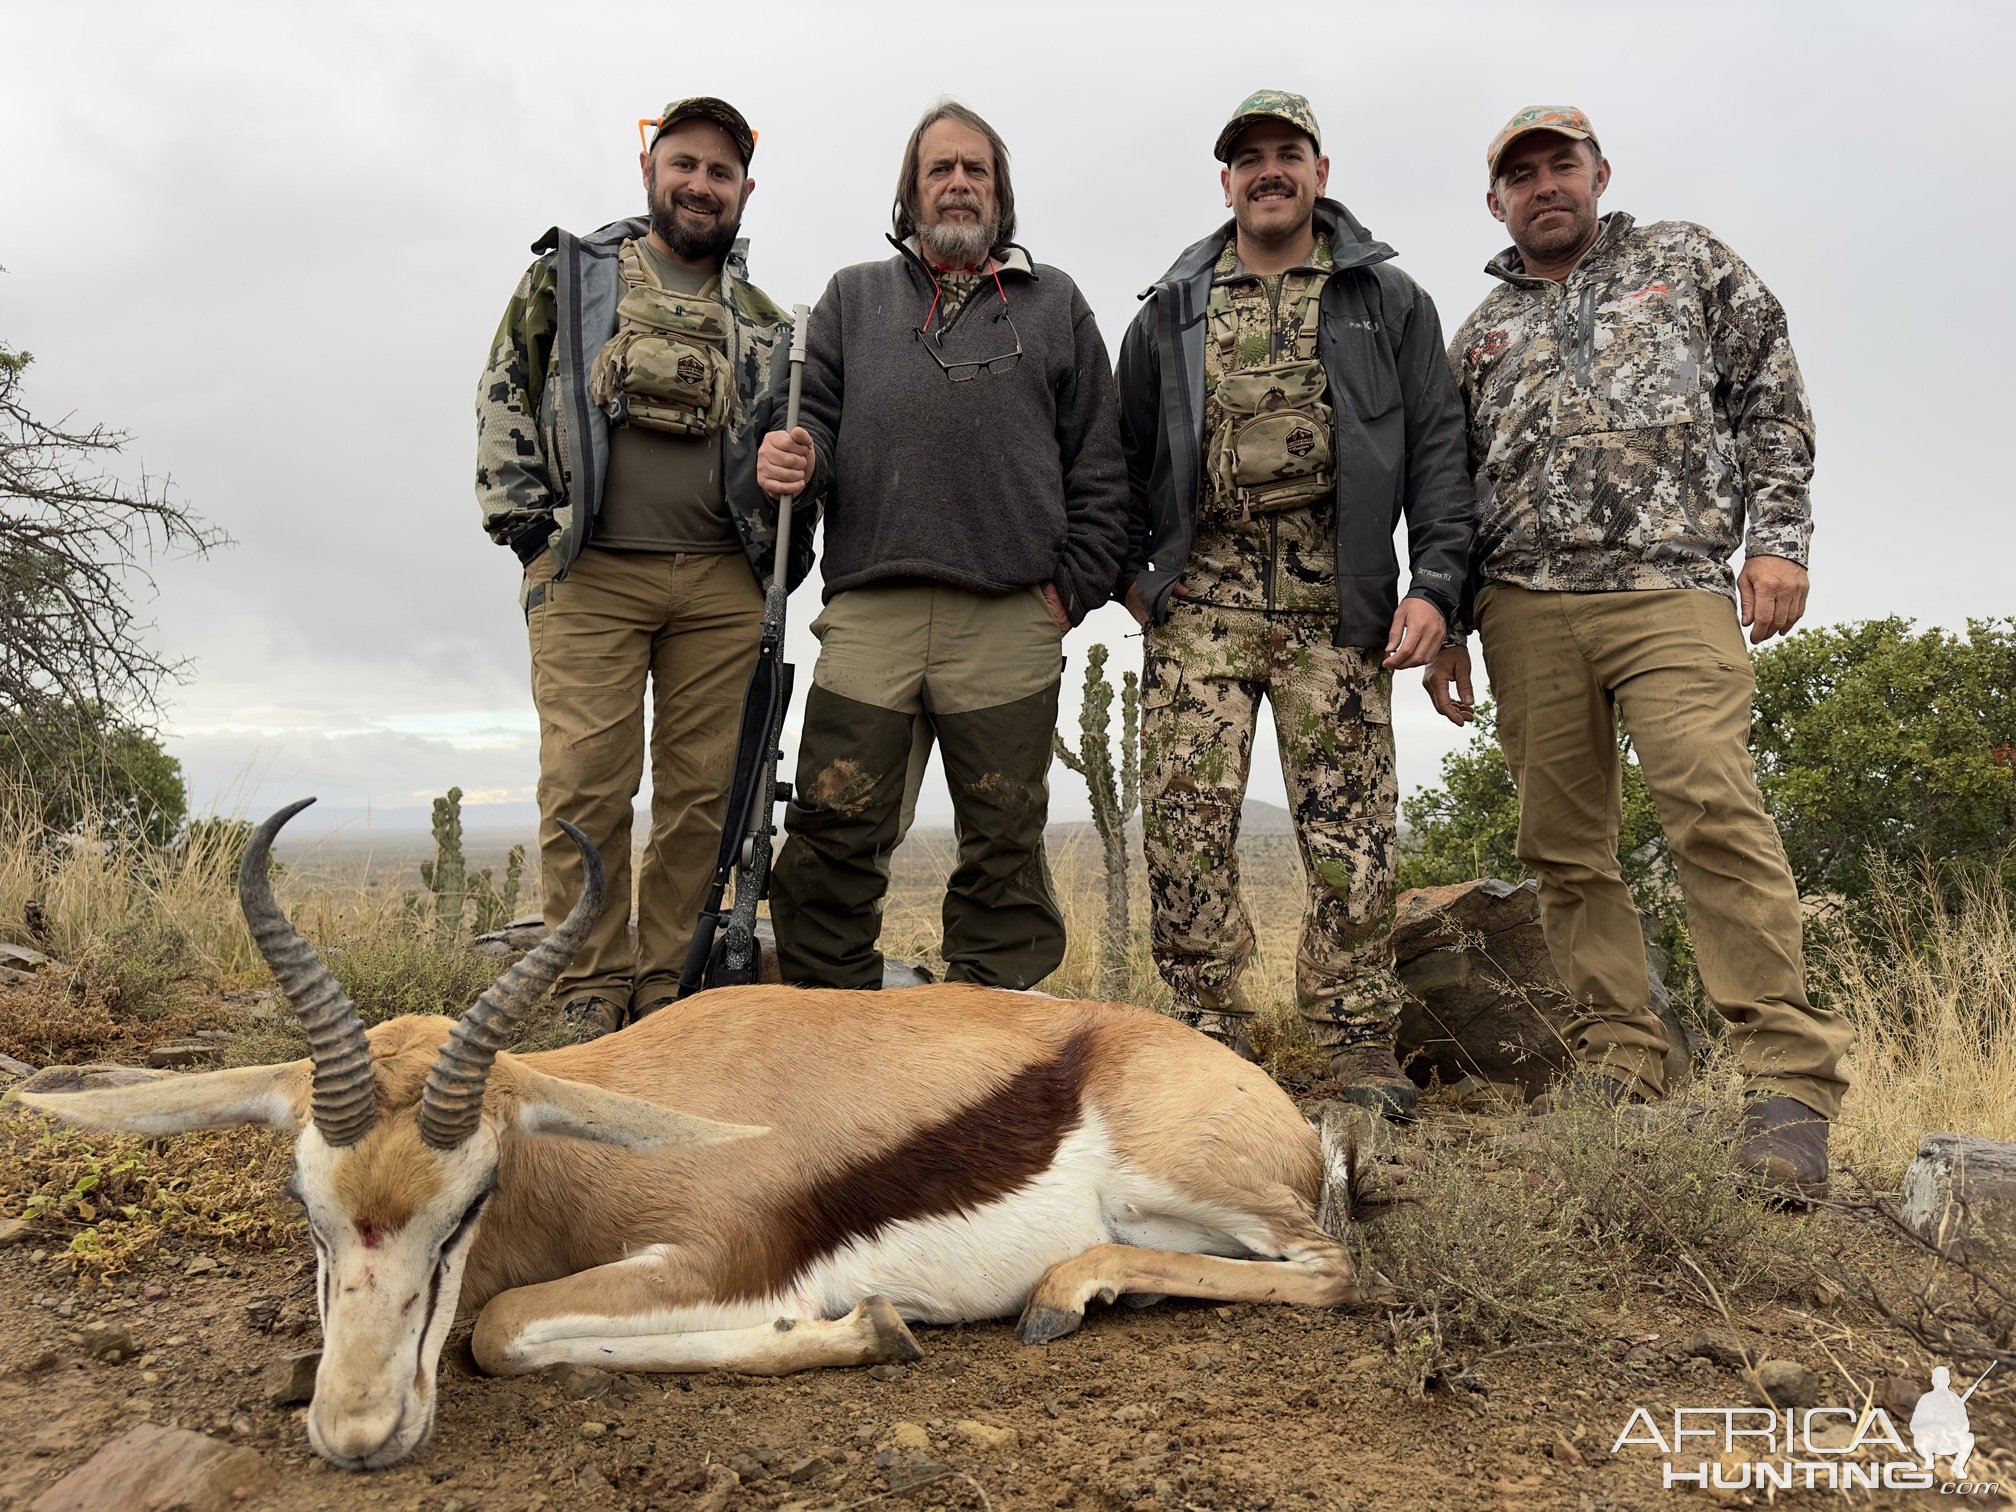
(666, 368)
(1273, 448)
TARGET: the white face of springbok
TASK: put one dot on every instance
(395, 1158)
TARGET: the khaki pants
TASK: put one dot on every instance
(1673, 661)
(983, 672)
(688, 625)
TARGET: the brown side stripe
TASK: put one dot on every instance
(980, 1154)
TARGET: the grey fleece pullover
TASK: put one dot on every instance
(998, 483)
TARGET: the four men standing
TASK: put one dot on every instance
(1285, 402)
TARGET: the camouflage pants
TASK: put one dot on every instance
(1207, 670)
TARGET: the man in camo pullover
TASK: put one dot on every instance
(1636, 414)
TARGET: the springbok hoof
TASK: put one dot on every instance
(1041, 1323)
(894, 1344)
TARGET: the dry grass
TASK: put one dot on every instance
(1931, 990)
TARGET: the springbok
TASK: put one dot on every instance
(759, 1179)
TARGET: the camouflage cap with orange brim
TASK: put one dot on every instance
(1564, 120)
(708, 108)
(1268, 105)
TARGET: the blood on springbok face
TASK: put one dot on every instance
(758, 1179)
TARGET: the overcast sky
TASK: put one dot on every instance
(273, 243)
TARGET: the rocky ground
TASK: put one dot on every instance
(1177, 1406)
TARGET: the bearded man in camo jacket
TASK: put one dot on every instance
(1284, 404)
(618, 419)
(1636, 414)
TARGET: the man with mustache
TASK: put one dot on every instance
(1635, 414)
(1284, 404)
(959, 423)
(617, 425)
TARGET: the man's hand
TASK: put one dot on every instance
(1055, 603)
(1136, 605)
(1774, 595)
(1451, 666)
(784, 463)
(1417, 634)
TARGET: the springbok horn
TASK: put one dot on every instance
(451, 1103)
(345, 1102)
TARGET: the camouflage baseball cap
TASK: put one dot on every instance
(1268, 105)
(707, 108)
(1563, 119)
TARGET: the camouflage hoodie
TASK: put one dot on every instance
(542, 448)
(1623, 425)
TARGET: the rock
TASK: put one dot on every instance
(1960, 1193)
(14, 1231)
(985, 1435)
(151, 1466)
(1486, 1003)
(909, 1436)
(290, 1380)
(200, 1265)
(153, 1291)
(580, 1383)
(888, 1372)
(1785, 1383)
(809, 1468)
(22, 957)
(592, 1430)
(12, 1067)
(184, 1052)
(263, 1314)
(1719, 1345)
(722, 1484)
(1898, 1396)
(108, 1342)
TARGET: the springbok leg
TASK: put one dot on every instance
(646, 1314)
(1315, 1273)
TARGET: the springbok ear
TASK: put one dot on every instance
(167, 1102)
(554, 1105)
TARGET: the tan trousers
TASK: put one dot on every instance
(688, 625)
(1673, 661)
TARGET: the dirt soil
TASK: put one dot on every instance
(1181, 1405)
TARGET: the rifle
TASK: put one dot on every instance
(715, 958)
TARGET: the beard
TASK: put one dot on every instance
(1245, 217)
(706, 241)
(958, 246)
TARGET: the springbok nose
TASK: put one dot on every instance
(355, 1432)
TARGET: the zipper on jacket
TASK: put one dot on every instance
(1273, 550)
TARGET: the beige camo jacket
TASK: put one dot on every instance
(1629, 428)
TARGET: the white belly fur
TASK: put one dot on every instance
(984, 1263)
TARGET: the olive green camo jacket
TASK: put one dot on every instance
(1397, 419)
(1625, 424)
(542, 447)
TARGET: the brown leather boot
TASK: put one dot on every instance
(597, 1016)
(1373, 1079)
(1784, 1148)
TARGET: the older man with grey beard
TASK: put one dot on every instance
(959, 423)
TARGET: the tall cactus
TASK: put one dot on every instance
(1114, 799)
(447, 875)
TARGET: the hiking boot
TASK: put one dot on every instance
(1584, 1088)
(1784, 1148)
(1373, 1079)
(1229, 1029)
(597, 1016)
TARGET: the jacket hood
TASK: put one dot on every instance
(1351, 246)
(634, 228)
